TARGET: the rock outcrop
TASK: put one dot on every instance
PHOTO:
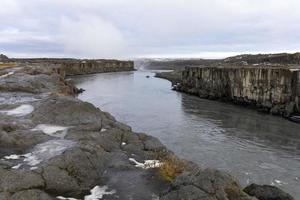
(267, 192)
(270, 89)
(3, 58)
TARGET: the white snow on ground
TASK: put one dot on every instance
(98, 192)
(294, 70)
(65, 198)
(123, 143)
(17, 166)
(19, 111)
(6, 75)
(103, 129)
(52, 130)
(43, 152)
(12, 157)
(148, 164)
(47, 150)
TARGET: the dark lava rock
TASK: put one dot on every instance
(3, 58)
(31, 194)
(209, 184)
(17, 180)
(78, 90)
(28, 83)
(267, 192)
(66, 111)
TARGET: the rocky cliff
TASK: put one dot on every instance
(80, 67)
(272, 89)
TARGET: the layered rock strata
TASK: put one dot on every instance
(271, 89)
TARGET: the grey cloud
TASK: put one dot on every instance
(118, 28)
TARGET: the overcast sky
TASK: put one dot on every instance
(148, 28)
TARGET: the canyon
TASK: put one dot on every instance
(55, 146)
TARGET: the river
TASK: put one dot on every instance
(253, 147)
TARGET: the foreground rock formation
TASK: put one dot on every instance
(54, 146)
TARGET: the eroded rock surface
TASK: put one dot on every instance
(267, 192)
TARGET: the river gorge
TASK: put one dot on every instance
(252, 146)
(59, 140)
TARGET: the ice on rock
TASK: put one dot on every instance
(65, 198)
(52, 130)
(42, 152)
(12, 157)
(17, 166)
(6, 75)
(19, 111)
(47, 150)
(98, 192)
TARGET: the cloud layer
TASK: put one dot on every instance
(135, 28)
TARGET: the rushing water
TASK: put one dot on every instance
(252, 146)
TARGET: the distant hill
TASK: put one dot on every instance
(3, 58)
(281, 58)
(246, 59)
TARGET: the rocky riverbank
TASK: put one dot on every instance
(54, 146)
(173, 76)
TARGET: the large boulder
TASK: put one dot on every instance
(267, 192)
(67, 111)
(17, 180)
(209, 184)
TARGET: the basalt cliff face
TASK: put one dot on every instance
(272, 89)
(81, 67)
(267, 82)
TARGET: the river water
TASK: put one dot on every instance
(249, 145)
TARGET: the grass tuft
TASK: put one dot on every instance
(7, 65)
(171, 167)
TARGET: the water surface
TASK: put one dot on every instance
(252, 146)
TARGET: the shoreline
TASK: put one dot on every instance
(40, 114)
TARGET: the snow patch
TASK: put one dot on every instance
(17, 166)
(294, 70)
(12, 157)
(65, 198)
(148, 164)
(47, 150)
(98, 192)
(19, 111)
(52, 130)
(103, 129)
(42, 152)
(6, 75)
(123, 143)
